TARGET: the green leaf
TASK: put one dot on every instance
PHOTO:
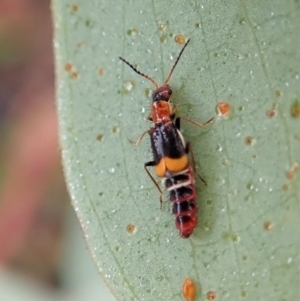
(245, 53)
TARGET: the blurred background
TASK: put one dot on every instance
(42, 253)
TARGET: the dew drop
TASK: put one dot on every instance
(223, 210)
(235, 238)
(162, 27)
(147, 92)
(211, 295)
(179, 39)
(250, 186)
(128, 86)
(100, 137)
(74, 75)
(295, 109)
(268, 225)
(115, 129)
(163, 38)
(69, 67)
(220, 181)
(223, 108)
(189, 289)
(206, 226)
(101, 71)
(249, 140)
(130, 228)
(132, 31)
(220, 148)
(74, 8)
(271, 113)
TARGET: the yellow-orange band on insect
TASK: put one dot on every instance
(171, 165)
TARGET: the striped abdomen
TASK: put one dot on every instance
(183, 197)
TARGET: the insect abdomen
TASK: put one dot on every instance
(183, 197)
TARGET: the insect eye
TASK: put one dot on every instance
(156, 96)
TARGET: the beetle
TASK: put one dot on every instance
(171, 153)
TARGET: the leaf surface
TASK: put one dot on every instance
(245, 53)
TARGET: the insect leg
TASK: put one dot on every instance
(189, 149)
(152, 163)
(140, 139)
(200, 125)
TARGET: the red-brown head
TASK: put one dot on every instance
(161, 109)
(162, 93)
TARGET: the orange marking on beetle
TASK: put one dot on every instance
(161, 111)
(189, 289)
(176, 165)
(160, 168)
(171, 165)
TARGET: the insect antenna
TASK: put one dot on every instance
(171, 72)
(140, 73)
